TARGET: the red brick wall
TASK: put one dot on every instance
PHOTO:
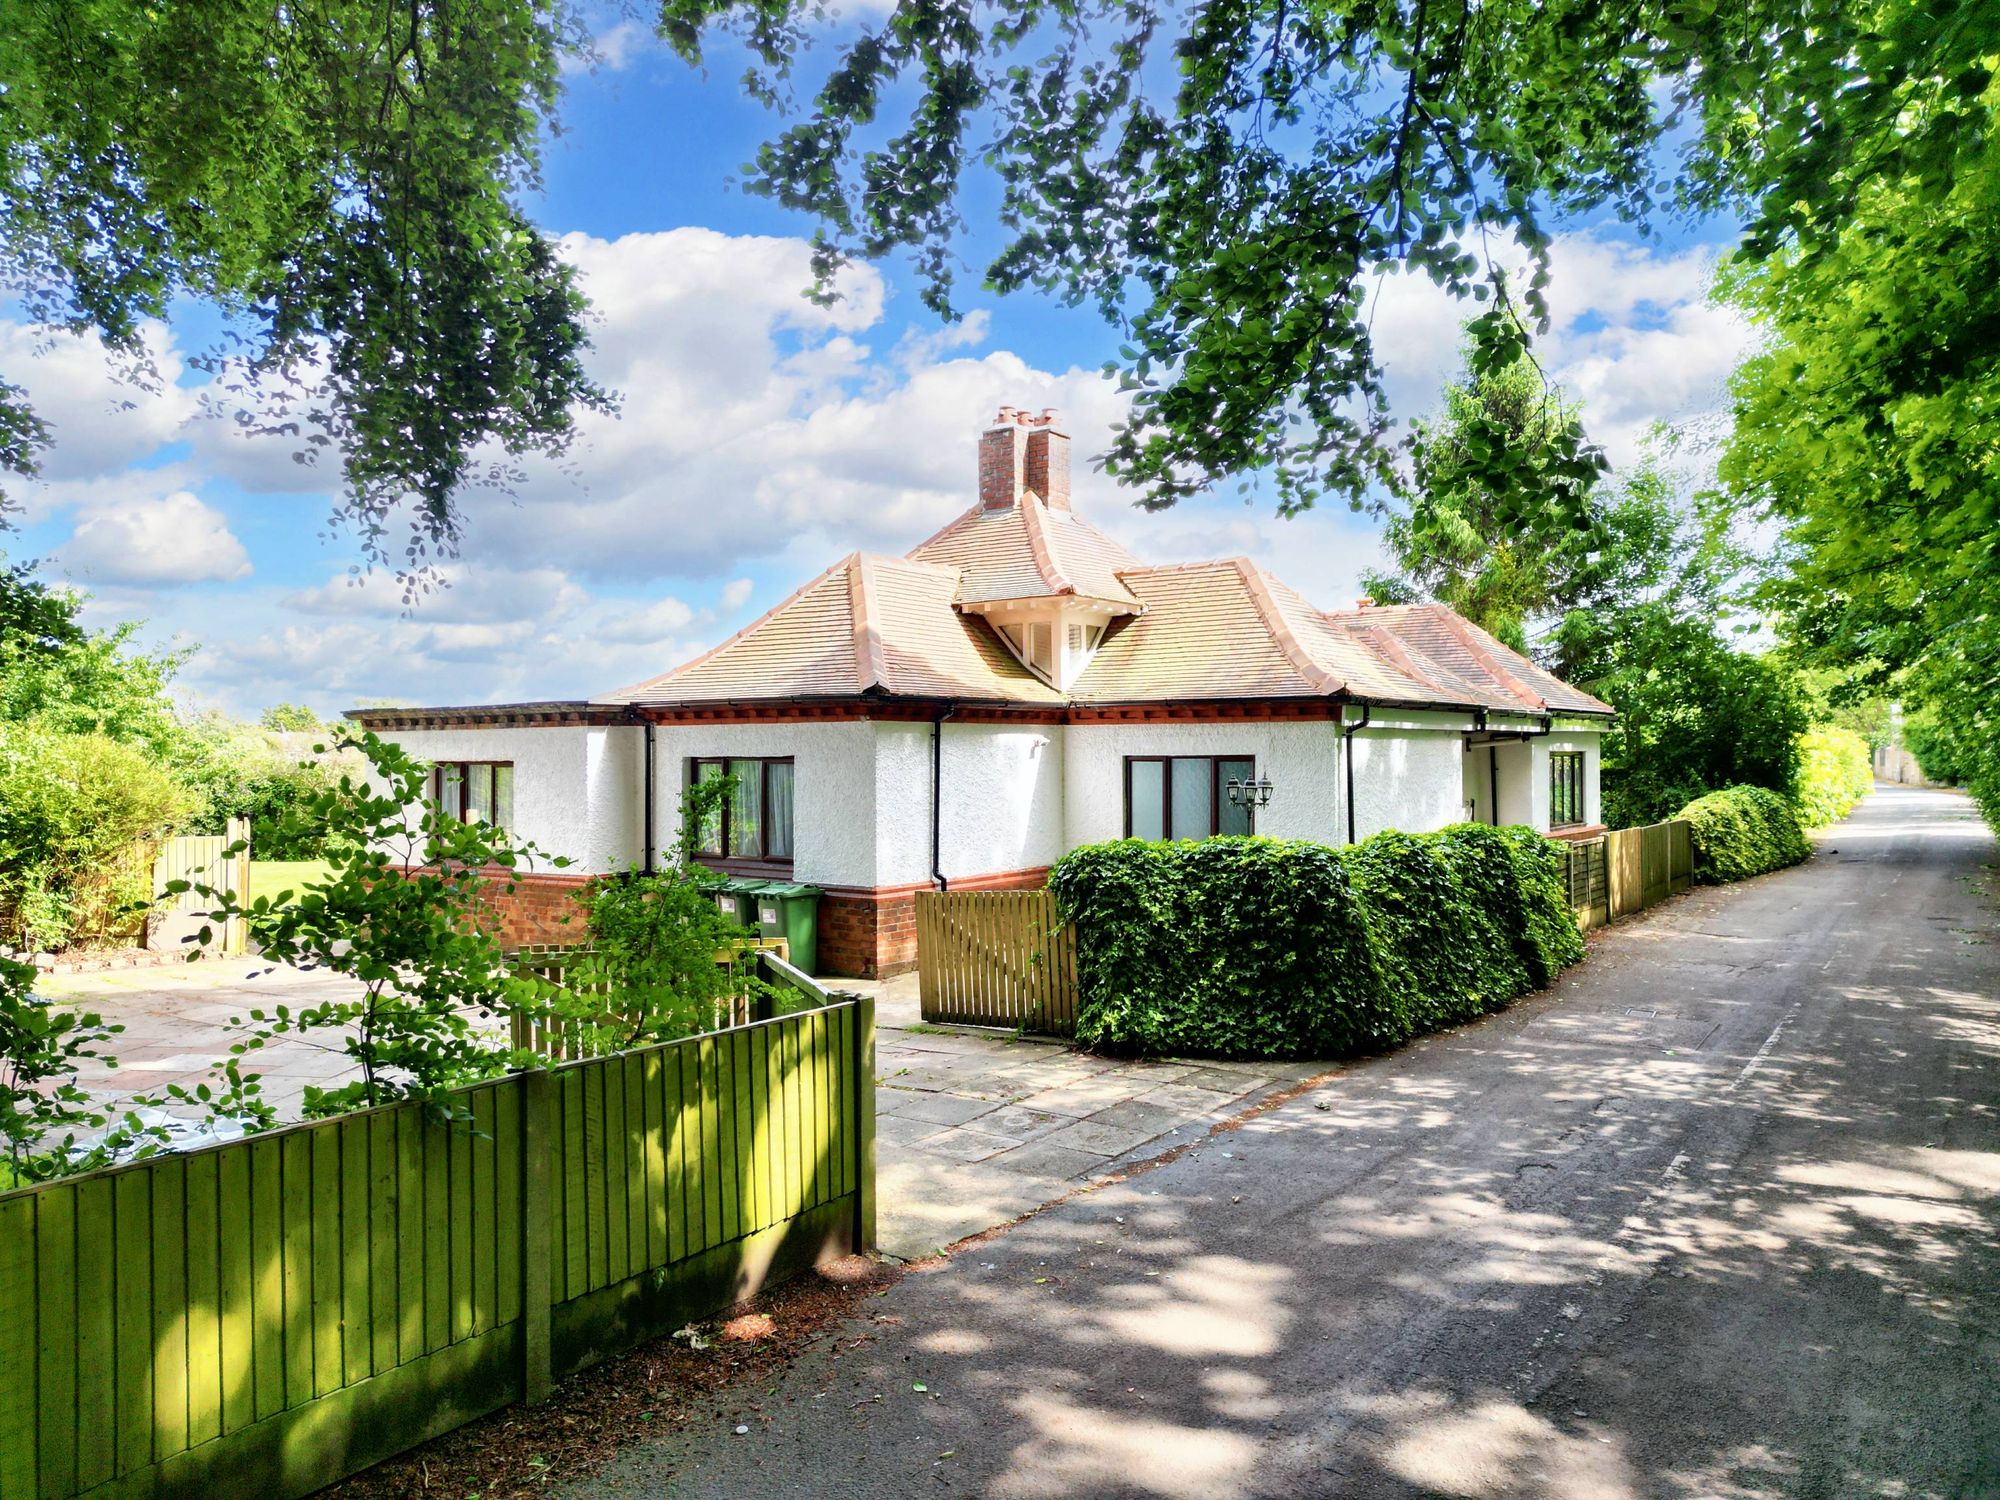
(534, 910)
(863, 933)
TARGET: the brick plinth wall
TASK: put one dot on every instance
(534, 910)
(863, 933)
(872, 933)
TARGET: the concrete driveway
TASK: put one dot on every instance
(1717, 1216)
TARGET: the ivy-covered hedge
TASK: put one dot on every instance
(1278, 948)
(1742, 831)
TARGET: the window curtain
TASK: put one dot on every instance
(778, 795)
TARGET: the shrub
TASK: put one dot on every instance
(1272, 948)
(1835, 772)
(652, 944)
(1432, 903)
(402, 910)
(1224, 947)
(73, 809)
(1742, 831)
(1549, 939)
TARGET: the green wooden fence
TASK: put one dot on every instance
(264, 1317)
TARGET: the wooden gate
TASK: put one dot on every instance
(996, 958)
(175, 920)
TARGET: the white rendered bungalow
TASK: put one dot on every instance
(1016, 686)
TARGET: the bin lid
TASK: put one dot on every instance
(745, 883)
(789, 888)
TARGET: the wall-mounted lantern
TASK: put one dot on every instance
(1249, 791)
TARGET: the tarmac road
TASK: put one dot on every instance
(1716, 1216)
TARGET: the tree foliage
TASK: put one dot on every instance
(343, 182)
(1228, 180)
(1633, 536)
(50, 1126)
(1868, 423)
(1835, 772)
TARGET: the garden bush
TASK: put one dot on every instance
(1277, 948)
(1835, 772)
(1742, 831)
(75, 813)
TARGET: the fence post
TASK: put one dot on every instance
(864, 1124)
(537, 1095)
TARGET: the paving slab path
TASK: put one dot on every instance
(1718, 1215)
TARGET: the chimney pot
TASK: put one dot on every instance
(1364, 602)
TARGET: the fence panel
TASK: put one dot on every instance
(1641, 867)
(1655, 852)
(1588, 880)
(265, 1316)
(175, 920)
(996, 958)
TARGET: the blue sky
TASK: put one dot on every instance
(760, 437)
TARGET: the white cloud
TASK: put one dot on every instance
(660, 621)
(752, 418)
(104, 410)
(468, 593)
(761, 437)
(172, 540)
(1632, 335)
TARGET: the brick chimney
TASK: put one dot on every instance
(1003, 455)
(1048, 462)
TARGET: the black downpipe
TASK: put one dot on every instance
(1347, 732)
(1493, 781)
(651, 833)
(937, 798)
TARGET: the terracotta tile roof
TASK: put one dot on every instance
(1028, 551)
(1504, 677)
(867, 626)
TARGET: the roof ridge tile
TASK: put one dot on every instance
(1273, 617)
(869, 674)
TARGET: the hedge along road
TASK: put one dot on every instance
(1717, 1215)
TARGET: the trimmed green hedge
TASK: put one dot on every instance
(1742, 831)
(1255, 947)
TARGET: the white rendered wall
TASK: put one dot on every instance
(1408, 778)
(1302, 759)
(834, 801)
(1516, 761)
(575, 787)
(1002, 799)
(1476, 769)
